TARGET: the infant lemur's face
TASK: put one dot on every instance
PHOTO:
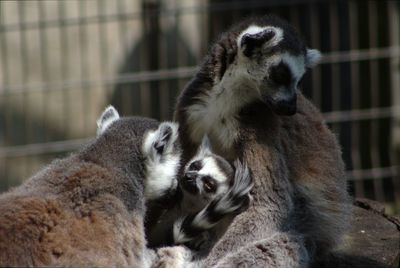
(206, 175)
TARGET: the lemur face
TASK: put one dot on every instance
(207, 175)
(277, 71)
(270, 62)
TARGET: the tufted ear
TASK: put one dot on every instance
(108, 116)
(312, 57)
(205, 146)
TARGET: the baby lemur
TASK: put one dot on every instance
(206, 197)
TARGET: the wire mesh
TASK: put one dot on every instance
(62, 62)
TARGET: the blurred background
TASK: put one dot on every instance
(62, 62)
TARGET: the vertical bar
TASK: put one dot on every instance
(25, 74)
(334, 36)
(44, 64)
(102, 32)
(64, 50)
(294, 16)
(181, 59)
(315, 37)
(164, 63)
(124, 87)
(206, 39)
(4, 47)
(345, 80)
(143, 86)
(355, 75)
(83, 49)
(374, 81)
(150, 55)
(103, 36)
(394, 24)
(6, 77)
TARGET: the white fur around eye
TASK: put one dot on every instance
(296, 65)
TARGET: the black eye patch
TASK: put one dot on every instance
(195, 166)
(209, 184)
(280, 74)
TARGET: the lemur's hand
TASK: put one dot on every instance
(223, 54)
(162, 152)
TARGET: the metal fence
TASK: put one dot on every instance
(62, 62)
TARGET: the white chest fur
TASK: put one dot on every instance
(217, 114)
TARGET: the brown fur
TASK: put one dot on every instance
(84, 210)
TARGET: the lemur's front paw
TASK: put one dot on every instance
(162, 154)
(223, 54)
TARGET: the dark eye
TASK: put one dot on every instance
(195, 166)
(280, 74)
(209, 184)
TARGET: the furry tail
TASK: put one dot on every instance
(236, 200)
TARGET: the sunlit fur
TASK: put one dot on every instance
(300, 207)
(85, 210)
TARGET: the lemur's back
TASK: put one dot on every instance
(67, 216)
(84, 210)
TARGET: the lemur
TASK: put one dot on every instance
(246, 97)
(206, 197)
(88, 209)
(85, 210)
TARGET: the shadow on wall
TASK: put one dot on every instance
(17, 165)
(154, 99)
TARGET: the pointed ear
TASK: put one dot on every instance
(205, 147)
(108, 116)
(312, 57)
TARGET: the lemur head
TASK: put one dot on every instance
(206, 176)
(117, 146)
(270, 61)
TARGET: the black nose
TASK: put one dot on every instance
(189, 176)
(286, 107)
(188, 183)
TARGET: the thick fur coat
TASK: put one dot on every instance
(242, 98)
(84, 210)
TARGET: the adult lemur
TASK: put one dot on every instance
(85, 210)
(246, 98)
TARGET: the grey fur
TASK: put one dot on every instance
(301, 205)
(86, 210)
(197, 219)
